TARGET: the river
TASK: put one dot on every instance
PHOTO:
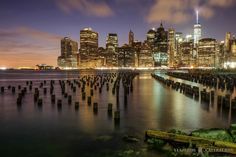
(46, 131)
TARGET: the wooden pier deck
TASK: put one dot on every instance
(206, 144)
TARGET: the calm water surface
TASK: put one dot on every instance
(47, 131)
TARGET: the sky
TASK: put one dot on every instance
(31, 30)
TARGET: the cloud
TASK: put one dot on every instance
(181, 11)
(89, 7)
(221, 3)
(25, 46)
(169, 11)
(28, 32)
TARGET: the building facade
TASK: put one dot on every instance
(69, 54)
(131, 38)
(208, 53)
(161, 47)
(111, 50)
(197, 31)
(145, 57)
(112, 41)
(227, 42)
(186, 53)
(88, 42)
(151, 37)
(171, 47)
(126, 56)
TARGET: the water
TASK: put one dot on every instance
(47, 131)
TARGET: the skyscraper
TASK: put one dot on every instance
(208, 52)
(112, 41)
(68, 47)
(161, 47)
(151, 37)
(227, 42)
(88, 41)
(126, 56)
(186, 53)
(232, 54)
(111, 49)
(233, 46)
(171, 46)
(179, 39)
(131, 38)
(69, 52)
(197, 32)
(145, 58)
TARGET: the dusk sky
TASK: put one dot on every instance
(30, 30)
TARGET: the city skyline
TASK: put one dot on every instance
(30, 34)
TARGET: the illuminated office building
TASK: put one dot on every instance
(112, 41)
(233, 46)
(161, 47)
(230, 60)
(186, 54)
(88, 42)
(126, 56)
(222, 58)
(111, 49)
(178, 40)
(69, 52)
(151, 37)
(145, 57)
(197, 32)
(171, 47)
(208, 53)
(227, 42)
(131, 38)
(188, 38)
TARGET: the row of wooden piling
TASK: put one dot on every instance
(213, 80)
(94, 82)
(193, 92)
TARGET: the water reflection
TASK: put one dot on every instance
(151, 105)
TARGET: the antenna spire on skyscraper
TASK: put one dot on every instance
(197, 16)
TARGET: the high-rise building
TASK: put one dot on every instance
(88, 42)
(68, 47)
(179, 37)
(208, 52)
(151, 37)
(171, 47)
(197, 32)
(186, 54)
(178, 40)
(145, 58)
(69, 52)
(131, 38)
(111, 49)
(126, 56)
(233, 46)
(227, 42)
(230, 51)
(188, 37)
(222, 56)
(161, 47)
(112, 41)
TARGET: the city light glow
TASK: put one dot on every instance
(3, 68)
(230, 65)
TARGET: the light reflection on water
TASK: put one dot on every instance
(151, 106)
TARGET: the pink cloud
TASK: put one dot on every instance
(221, 3)
(179, 11)
(89, 7)
(27, 47)
(173, 11)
